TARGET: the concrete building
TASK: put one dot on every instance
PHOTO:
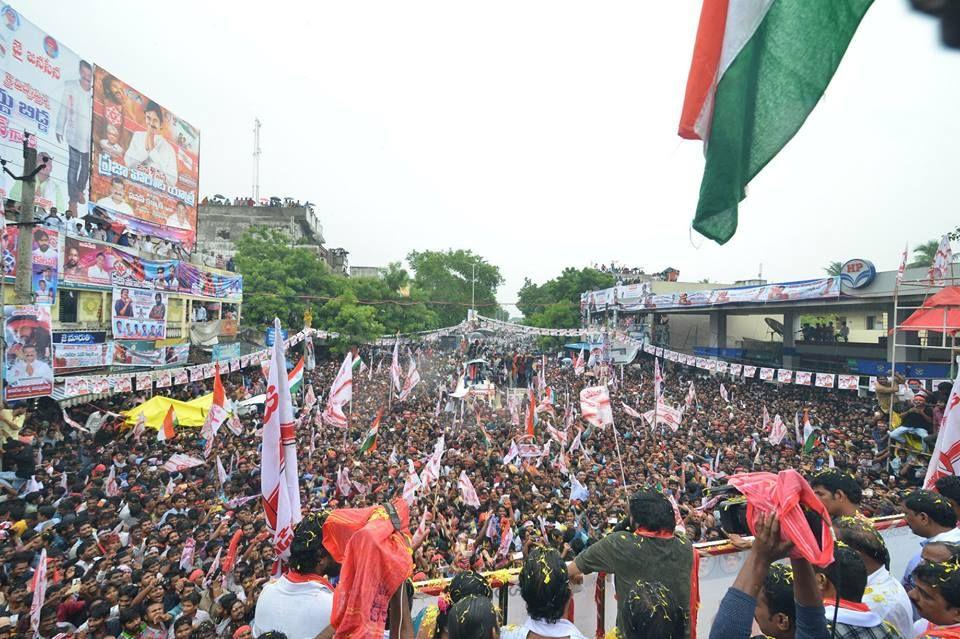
(770, 324)
(219, 227)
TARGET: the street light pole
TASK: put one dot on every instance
(473, 287)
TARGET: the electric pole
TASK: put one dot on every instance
(23, 284)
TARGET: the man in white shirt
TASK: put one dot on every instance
(29, 370)
(884, 595)
(73, 123)
(931, 517)
(300, 603)
(150, 149)
(98, 271)
(116, 200)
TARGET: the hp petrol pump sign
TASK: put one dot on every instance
(857, 273)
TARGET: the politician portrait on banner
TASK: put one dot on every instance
(145, 164)
(47, 92)
(139, 314)
(27, 361)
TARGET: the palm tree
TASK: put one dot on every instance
(923, 254)
(833, 269)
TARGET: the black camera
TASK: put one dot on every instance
(733, 513)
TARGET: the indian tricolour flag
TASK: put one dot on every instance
(811, 434)
(295, 377)
(759, 67)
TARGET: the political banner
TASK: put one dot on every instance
(821, 288)
(163, 379)
(784, 376)
(10, 251)
(848, 382)
(825, 380)
(736, 369)
(81, 349)
(47, 92)
(181, 376)
(139, 314)
(74, 386)
(271, 336)
(176, 354)
(207, 282)
(27, 363)
(44, 258)
(145, 165)
(144, 381)
(133, 270)
(196, 373)
(225, 351)
(88, 262)
(121, 383)
(99, 384)
(144, 354)
(803, 378)
(766, 374)
(595, 406)
(749, 372)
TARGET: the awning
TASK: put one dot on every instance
(940, 313)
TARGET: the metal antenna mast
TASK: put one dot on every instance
(256, 161)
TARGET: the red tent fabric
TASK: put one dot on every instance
(940, 313)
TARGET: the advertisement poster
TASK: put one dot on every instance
(27, 364)
(180, 376)
(226, 351)
(139, 314)
(81, 349)
(44, 265)
(145, 163)
(46, 91)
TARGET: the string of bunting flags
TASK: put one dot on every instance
(489, 322)
(79, 385)
(766, 374)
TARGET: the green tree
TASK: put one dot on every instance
(443, 280)
(355, 324)
(564, 290)
(924, 253)
(278, 279)
(833, 268)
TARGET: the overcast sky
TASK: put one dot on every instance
(540, 134)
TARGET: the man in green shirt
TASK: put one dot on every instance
(648, 551)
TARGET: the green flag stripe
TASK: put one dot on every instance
(766, 95)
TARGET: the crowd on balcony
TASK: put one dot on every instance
(135, 550)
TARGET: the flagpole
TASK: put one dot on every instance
(623, 477)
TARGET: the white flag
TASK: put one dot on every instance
(395, 364)
(413, 378)
(512, 454)
(595, 406)
(941, 261)
(341, 392)
(279, 485)
(723, 394)
(221, 472)
(903, 266)
(945, 460)
(466, 490)
(778, 431)
(39, 590)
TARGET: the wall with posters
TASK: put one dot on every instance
(139, 314)
(47, 91)
(145, 165)
(27, 363)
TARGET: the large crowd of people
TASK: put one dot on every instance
(134, 550)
